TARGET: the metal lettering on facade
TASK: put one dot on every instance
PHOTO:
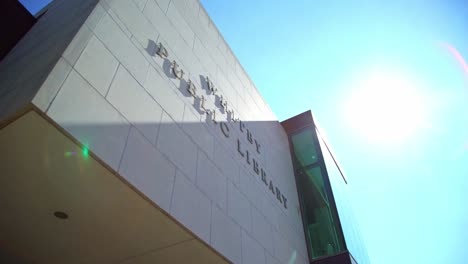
(179, 73)
(162, 51)
(224, 107)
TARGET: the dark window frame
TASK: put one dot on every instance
(320, 162)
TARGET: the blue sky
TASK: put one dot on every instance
(409, 193)
(34, 5)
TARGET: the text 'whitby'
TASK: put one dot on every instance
(224, 128)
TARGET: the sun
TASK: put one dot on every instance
(386, 106)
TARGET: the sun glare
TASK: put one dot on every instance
(386, 106)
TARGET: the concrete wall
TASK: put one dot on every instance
(116, 95)
(15, 21)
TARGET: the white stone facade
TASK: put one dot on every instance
(114, 93)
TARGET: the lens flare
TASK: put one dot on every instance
(85, 152)
(70, 153)
(461, 61)
(457, 56)
(386, 106)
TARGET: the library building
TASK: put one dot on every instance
(130, 133)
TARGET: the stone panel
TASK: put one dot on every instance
(135, 104)
(270, 259)
(140, 3)
(204, 57)
(211, 181)
(225, 235)
(198, 132)
(131, 16)
(226, 162)
(177, 146)
(165, 94)
(179, 22)
(191, 207)
(252, 251)
(262, 231)
(97, 65)
(154, 13)
(84, 113)
(249, 187)
(239, 208)
(144, 167)
(122, 48)
(163, 4)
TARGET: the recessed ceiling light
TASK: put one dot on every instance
(60, 215)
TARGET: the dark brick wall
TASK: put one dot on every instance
(15, 21)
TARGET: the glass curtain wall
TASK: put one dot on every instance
(322, 227)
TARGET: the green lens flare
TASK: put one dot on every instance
(85, 152)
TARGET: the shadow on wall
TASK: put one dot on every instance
(212, 155)
(209, 127)
(228, 147)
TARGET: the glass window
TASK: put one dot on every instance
(304, 147)
(323, 233)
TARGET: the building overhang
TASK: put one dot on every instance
(62, 204)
